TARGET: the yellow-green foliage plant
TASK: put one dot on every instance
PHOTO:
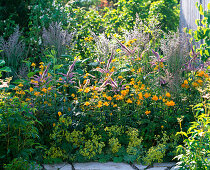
(92, 143)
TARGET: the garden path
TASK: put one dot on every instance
(109, 166)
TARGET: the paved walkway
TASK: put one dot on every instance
(109, 166)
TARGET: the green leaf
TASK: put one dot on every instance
(57, 66)
(6, 69)
(2, 62)
(30, 74)
(181, 133)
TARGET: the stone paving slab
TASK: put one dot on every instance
(168, 164)
(140, 167)
(62, 166)
(158, 168)
(102, 166)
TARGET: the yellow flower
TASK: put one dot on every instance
(72, 95)
(168, 94)
(140, 96)
(201, 73)
(33, 64)
(183, 85)
(87, 104)
(87, 90)
(162, 126)
(36, 93)
(44, 90)
(147, 95)
(185, 82)
(147, 112)
(200, 81)
(195, 84)
(129, 101)
(41, 63)
(31, 89)
(206, 75)
(109, 98)
(53, 124)
(110, 114)
(20, 85)
(127, 87)
(27, 99)
(59, 113)
(49, 88)
(106, 104)
(118, 50)
(80, 90)
(133, 70)
(60, 79)
(170, 103)
(155, 98)
(45, 102)
(115, 105)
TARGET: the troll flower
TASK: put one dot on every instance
(195, 84)
(133, 70)
(138, 102)
(109, 98)
(115, 105)
(183, 85)
(147, 95)
(20, 85)
(44, 90)
(110, 114)
(72, 95)
(147, 112)
(170, 103)
(41, 63)
(87, 90)
(36, 93)
(206, 75)
(140, 96)
(160, 97)
(155, 98)
(185, 82)
(87, 104)
(16, 88)
(201, 73)
(53, 124)
(80, 90)
(168, 95)
(106, 104)
(27, 99)
(59, 114)
(129, 101)
(124, 92)
(200, 81)
(33, 64)
(49, 88)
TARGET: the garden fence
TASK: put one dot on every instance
(189, 13)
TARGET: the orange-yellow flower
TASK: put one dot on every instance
(147, 112)
(36, 93)
(170, 103)
(59, 113)
(147, 95)
(109, 98)
(44, 90)
(87, 104)
(53, 124)
(33, 64)
(80, 90)
(20, 85)
(200, 81)
(120, 77)
(115, 105)
(185, 82)
(155, 98)
(140, 96)
(168, 94)
(106, 104)
(201, 73)
(87, 90)
(129, 101)
(183, 85)
(195, 84)
(31, 89)
(110, 114)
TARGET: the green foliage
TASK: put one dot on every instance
(17, 126)
(202, 34)
(194, 154)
